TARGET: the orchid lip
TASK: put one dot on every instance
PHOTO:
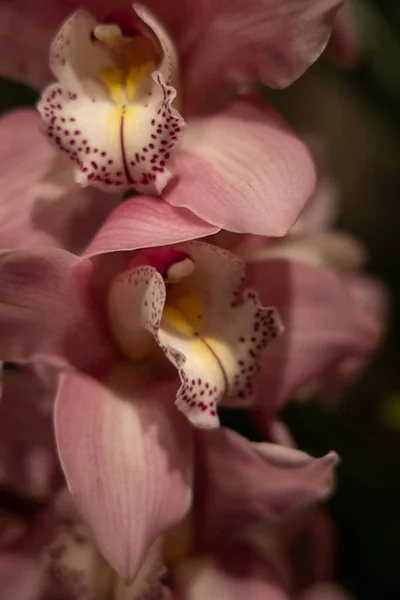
(210, 332)
(111, 111)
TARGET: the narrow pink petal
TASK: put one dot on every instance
(322, 326)
(243, 170)
(40, 204)
(126, 454)
(206, 578)
(144, 222)
(46, 310)
(240, 482)
(28, 460)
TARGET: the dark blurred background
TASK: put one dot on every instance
(357, 115)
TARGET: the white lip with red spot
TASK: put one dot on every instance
(211, 332)
(111, 111)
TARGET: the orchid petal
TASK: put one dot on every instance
(144, 222)
(28, 461)
(323, 326)
(40, 205)
(240, 482)
(274, 42)
(116, 121)
(221, 357)
(131, 491)
(46, 310)
(243, 170)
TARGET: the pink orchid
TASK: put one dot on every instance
(95, 315)
(95, 312)
(124, 79)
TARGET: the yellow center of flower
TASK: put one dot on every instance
(183, 311)
(134, 58)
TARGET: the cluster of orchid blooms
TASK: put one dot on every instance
(166, 254)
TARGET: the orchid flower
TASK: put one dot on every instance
(135, 104)
(116, 317)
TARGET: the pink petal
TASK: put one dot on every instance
(28, 461)
(144, 222)
(206, 578)
(40, 205)
(372, 304)
(322, 326)
(46, 311)
(274, 41)
(240, 482)
(243, 170)
(126, 454)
